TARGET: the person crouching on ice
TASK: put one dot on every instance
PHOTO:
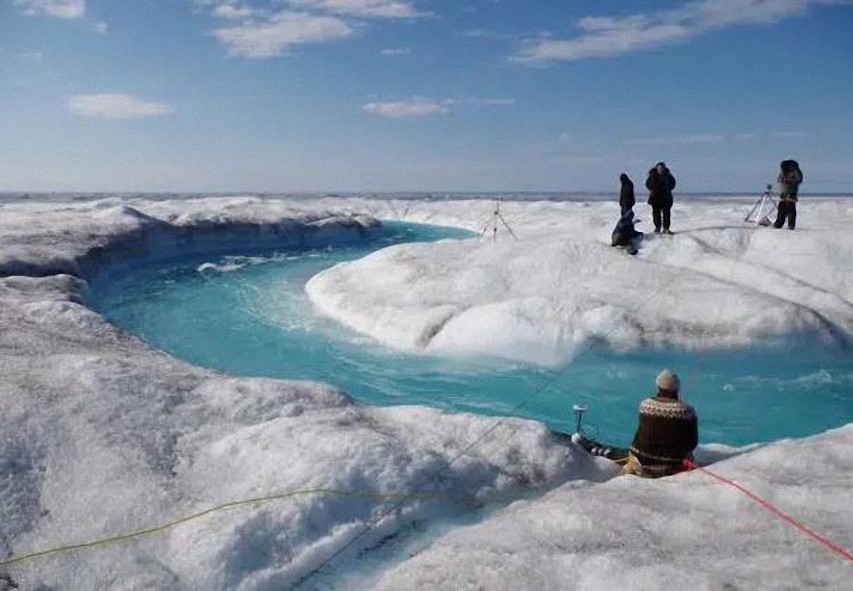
(667, 432)
(624, 234)
(790, 178)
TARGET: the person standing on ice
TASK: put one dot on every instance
(660, 185)
(626, 194)
(790, 177)
(667, 432)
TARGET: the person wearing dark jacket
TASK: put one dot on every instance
(660, 185)
(667, 432)
(624, 234)
(790, 177)
(626, 195)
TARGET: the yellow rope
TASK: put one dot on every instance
(231, 505)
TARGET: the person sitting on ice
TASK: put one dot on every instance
(624, 234)
(790, 178)
(667, 432)
(626, 194)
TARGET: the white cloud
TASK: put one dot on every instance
(696, 138)
(55, 8)
(31, 57)
(489, 34)
(270, 28)
(363, 8)
(605, 36)
(274, 36)
(101, 28)
(491, 102)
(233, 10)
(714, 137)
(115, 106)
(422, 107)
(413, 107)
(395, 51)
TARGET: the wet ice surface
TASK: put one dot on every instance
(102, 434)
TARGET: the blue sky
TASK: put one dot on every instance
(422, 95)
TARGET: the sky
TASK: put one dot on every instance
(422, 95)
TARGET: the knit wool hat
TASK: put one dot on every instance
(668, 381)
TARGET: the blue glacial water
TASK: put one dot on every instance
(247, 314)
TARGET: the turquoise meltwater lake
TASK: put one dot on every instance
(247, 314)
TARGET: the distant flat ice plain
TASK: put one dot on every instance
(101, 434)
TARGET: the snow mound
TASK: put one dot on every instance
(83, 239)
(561, 286)
(689, 530)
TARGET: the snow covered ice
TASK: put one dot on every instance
(101, 435)
(685, 532)
(717, 283)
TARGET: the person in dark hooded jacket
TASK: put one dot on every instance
(790, 178)
(660, 185)
(626, 195)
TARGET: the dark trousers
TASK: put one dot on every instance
(658, 213)
(787, 209)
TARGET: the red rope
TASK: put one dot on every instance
(840, 550)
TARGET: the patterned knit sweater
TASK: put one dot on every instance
(667, 432)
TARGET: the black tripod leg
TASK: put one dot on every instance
(506, 225)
